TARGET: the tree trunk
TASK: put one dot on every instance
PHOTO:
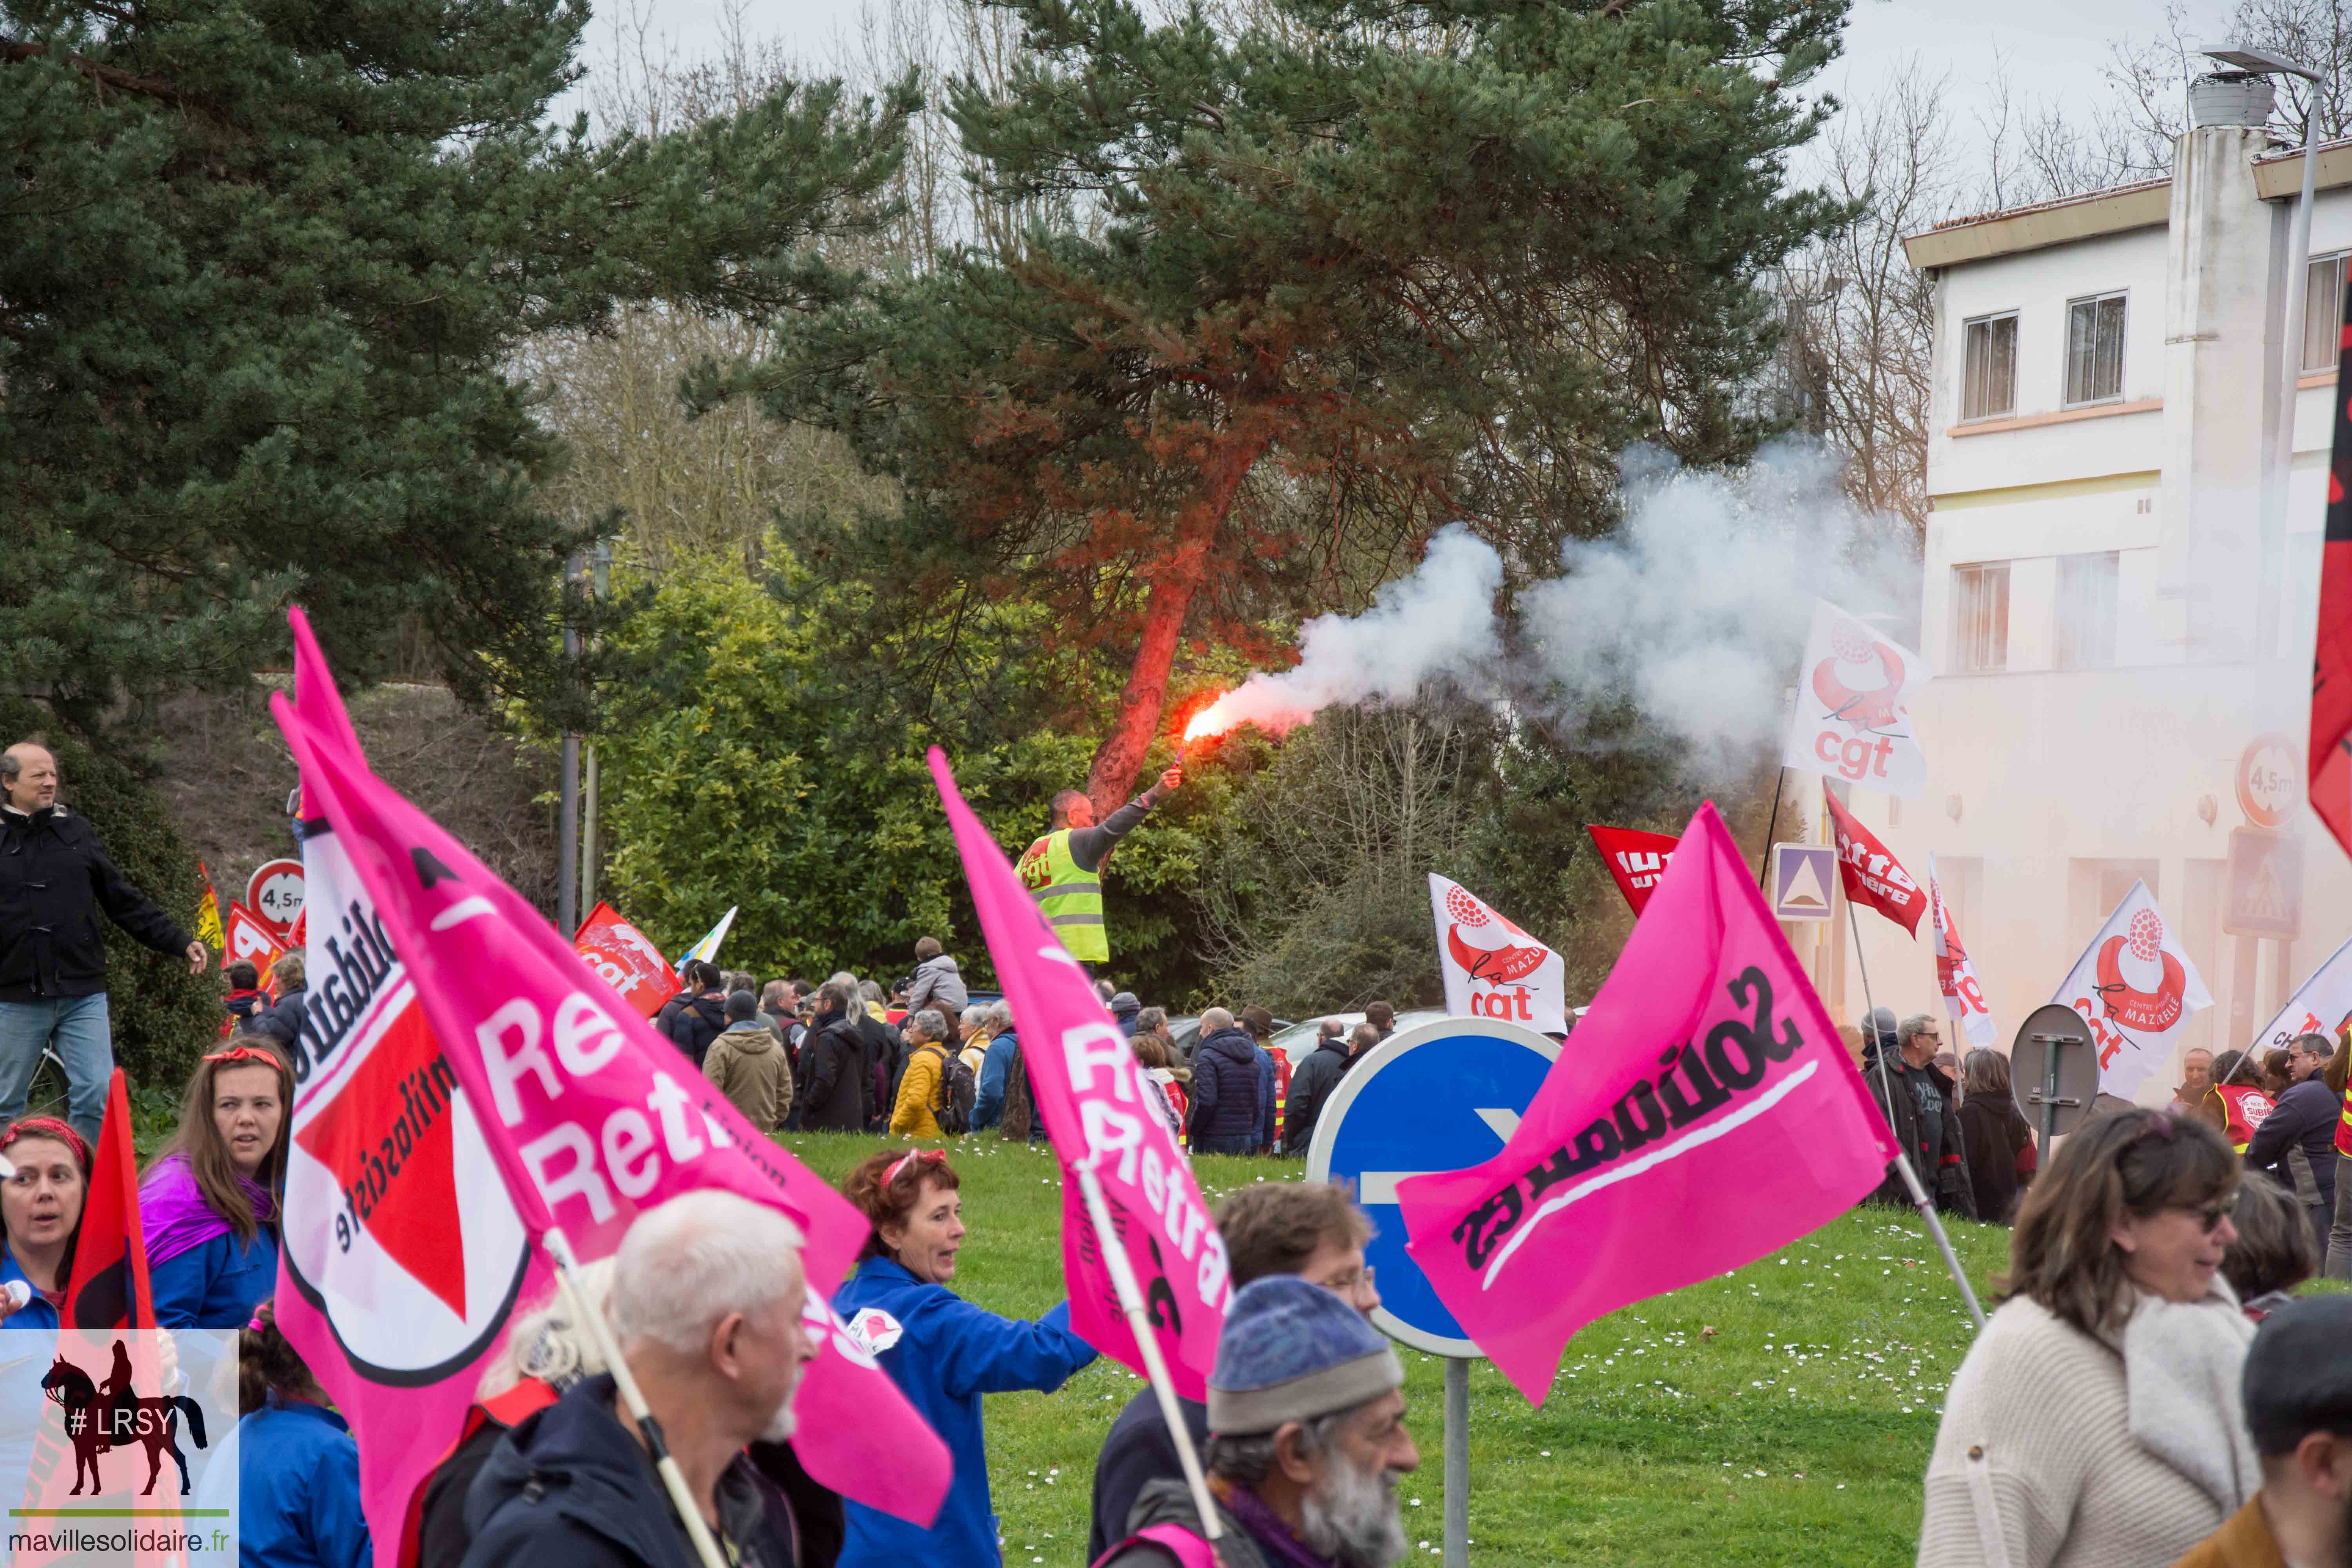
(1111, 780)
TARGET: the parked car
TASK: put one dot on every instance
(1298, 1039)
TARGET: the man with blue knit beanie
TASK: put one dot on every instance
(1307, 1438)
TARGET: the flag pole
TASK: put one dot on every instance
(1919, 1198)
(1763, 860)
(1139, 1320)
(592, 1318)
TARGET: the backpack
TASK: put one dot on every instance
(958, 1089)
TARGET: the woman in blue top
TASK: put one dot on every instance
(208, 1202)
(298, 1469)
(40, 1219)
(941, 1349)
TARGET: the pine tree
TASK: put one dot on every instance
(263, 270)
(1365, 266)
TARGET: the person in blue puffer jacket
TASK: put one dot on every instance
(941, 1349)
(1225, 1079)
(208, 1204)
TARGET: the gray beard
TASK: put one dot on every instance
(1351, 1518)
(782, 1424)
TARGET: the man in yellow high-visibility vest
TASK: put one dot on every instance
(1062, 869)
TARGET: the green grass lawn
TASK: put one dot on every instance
(1779, 1414)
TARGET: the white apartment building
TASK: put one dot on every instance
(2112, 623)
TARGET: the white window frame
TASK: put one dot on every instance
(2122, 343)
(1968, 354)
(1962, 664)
(2311, 321)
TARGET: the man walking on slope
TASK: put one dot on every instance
(1062, 869)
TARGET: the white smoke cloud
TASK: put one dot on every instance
(1438, 622)
(1694, 611)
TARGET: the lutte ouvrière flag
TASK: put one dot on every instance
(2329, 762)
(1088, 1090)
(1707, 1114)
(582, 1115)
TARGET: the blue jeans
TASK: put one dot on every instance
(83, 1037)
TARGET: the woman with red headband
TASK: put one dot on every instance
(209, 1202)
(941, 1349)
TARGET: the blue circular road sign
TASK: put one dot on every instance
(1440, 1096)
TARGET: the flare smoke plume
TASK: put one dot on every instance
(1694, 611)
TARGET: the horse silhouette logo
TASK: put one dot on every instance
(101, 1419)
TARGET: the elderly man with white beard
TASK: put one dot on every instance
(705, 1305)
(1307, 1438)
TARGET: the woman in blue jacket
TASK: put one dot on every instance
(40, 1219)
(208, 1204)
(941, 1349)
(298, 1469)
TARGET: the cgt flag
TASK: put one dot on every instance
(1088, 1092)
(583, 1115)
(109, 1290)
(2137, 989)
(1492, 969)
(1873, 878)
(1637, 860)
(2320, 1006)
(625, 959)
(1853, 716)
(1709, 1115)
(1956, 972)
(208, 919)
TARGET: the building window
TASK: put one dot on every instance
(2323, 312)
(2094, 349)
(1989, 386)
(2086, 611)
(1980, 617)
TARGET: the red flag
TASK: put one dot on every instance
(1707, 1115)
(109, 1290)
(1637, 860)
(1873, 878)
(249, 938)
(625, 959)
(2330, 757)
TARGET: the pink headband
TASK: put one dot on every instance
(928, 1156)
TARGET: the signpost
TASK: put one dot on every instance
(2054, 1072)
(275, 895)
(1441, 1097)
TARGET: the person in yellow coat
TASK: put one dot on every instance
(919, 1088)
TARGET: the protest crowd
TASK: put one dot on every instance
(2148, 1389)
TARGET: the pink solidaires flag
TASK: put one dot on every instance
(1702, 1113)
(564, 1107)
(1088, 1090)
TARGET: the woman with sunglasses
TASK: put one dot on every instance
(2096, 1420)
(209, 1202)
(941, 1349)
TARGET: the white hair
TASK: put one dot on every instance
(842, 977)
(973, 1014)
(690, 1262)
(545, 1342)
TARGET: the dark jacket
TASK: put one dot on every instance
(885, 1057)
(832, 1092)
(1224, 1087)
(285, 1017)
(1137, 1452)
(569, 1487)
(2297, 1142)
(1171, 1503)
(1925, 1126)
(698, 1022)
(1310, 1087)
(1994, 1132)
(55, 879)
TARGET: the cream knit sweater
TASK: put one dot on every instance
(2037, 1463)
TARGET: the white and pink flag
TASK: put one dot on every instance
(2136, 987)
(467, 1084)
(2320, 1006)
(1956, 972)
(1492, 968)
(1088, 1090)
(1707, 1115)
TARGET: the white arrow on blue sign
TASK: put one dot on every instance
(1441, 1097)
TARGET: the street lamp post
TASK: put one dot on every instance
(2261, 62)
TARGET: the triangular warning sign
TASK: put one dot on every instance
(1805, 889)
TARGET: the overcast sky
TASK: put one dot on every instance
(2053, 50)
